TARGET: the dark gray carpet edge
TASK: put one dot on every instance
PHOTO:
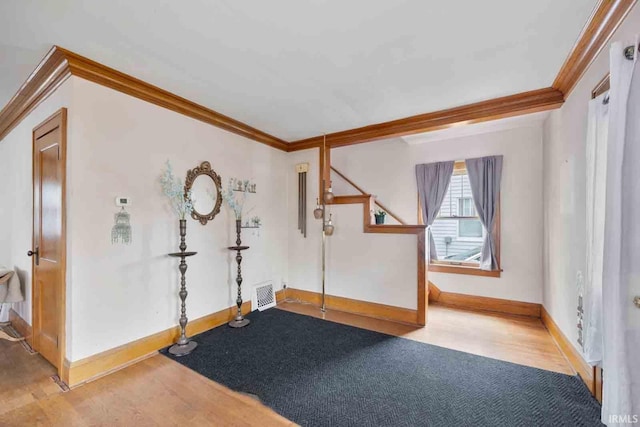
(320, 373)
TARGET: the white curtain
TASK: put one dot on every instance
(621, 272)
(598, 121)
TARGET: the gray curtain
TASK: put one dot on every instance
(485, 174)
(433, 181)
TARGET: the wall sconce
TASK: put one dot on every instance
(328, 227)
(328, 194)
(318, 211)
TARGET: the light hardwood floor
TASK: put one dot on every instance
(517, 339)
(24, 377)
(159, 391)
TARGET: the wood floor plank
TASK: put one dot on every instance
(517, 339)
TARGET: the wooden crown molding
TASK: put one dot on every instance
(60, 63)
(52, 71)
(507, 106)
(603, 22)
(605, 19)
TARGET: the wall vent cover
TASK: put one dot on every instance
(263, 297)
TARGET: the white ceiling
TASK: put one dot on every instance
(297, 69)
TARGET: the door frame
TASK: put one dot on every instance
(57, 119)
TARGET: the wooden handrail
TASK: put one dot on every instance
(367, 202)
(380, 205)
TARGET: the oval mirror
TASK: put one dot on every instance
(203, 194)
(206, 192)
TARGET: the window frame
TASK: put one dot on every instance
(461, 267)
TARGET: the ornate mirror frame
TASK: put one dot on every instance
(204, 169)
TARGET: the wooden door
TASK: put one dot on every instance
(48, 252)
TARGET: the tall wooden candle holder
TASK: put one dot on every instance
(239, 321)
(184, 345)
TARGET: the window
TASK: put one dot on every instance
(457, 230)
(468, 228)
(466, 206)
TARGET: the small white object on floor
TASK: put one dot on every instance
(10, 292)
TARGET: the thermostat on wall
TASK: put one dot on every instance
(123, 201)
(302, 167)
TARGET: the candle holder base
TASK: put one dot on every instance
(239, 323)
(182, 350)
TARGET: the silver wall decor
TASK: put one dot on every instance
(302, 170)
(121, 230)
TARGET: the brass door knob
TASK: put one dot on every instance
(636, 301)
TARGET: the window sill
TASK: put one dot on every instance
(458, 269)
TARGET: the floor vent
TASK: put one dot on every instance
(56, 379)
(263, 297)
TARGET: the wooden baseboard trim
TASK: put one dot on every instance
(434, 292)
(572, 355)
(101, 364)
(472, 302)
(348, 305)
(419, 231)
(20, 325)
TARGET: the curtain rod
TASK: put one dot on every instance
(629, 52)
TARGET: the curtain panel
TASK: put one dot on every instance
(597, 128)
(485, 174)
(621, 271)
(433, 182)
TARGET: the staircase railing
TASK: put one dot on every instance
(379, 204)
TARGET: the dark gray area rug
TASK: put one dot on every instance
(320, 373)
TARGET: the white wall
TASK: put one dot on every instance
(565, 190)
(387, 169)
(121, 293)
(16, 192)
(305, 255)
(378, 268)
(117, 146)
